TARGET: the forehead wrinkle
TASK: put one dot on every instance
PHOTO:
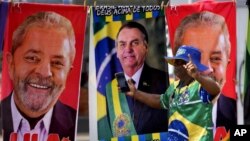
(58, 56)
(33, 51)
(216, 52)
(40, 52)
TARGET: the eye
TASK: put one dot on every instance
(32, 59)
(121, 45)
(58, 64)
(215, 59)
(135, 43)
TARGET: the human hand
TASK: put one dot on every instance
(191, 68)
(132, 88)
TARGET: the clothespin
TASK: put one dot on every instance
(16, 6)
(168, 3)
(162, 5)
(84, 3)
(234, 1)
(13, 2)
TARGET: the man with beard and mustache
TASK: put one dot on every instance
(208, 32)
(41, 57)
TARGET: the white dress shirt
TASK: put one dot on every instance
(135, 77)
(22, 126)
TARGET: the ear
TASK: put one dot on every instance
(229, 60)
(10, 61)
(146, 45)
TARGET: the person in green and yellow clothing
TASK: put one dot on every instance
(188, 99)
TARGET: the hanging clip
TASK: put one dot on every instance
(168, 3)
(84, 3)
(162, 5)
(234, 2)
(16, 6)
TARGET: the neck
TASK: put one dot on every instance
(32, 121)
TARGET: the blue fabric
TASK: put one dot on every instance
(182, 54)
(3, 16)
(205, 96)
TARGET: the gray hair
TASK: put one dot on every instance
(43, 19)
(202, 18)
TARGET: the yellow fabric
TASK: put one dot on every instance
(102, 111)
(106, 32)
(195, 132)
(116, 101)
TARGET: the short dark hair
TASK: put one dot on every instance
(133, 24)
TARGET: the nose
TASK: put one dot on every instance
(44, 69)
(128, 47)
(209, 65)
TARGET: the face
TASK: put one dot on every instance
(180, 72)
(131, 48)
(211, 43)
(39, 69)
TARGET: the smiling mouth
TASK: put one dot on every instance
(39, 86)
(128, 57)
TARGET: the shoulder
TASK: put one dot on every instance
(64, 110)
(6, 102)
(63, 121)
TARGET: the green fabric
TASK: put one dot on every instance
(186, 106)
(104, 130)
(121, 123)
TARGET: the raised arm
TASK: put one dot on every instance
(152, 100)
(208, 83)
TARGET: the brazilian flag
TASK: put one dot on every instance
(103, 34)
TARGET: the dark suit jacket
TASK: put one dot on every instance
(226, 112)
(62, 122)
(147, 119)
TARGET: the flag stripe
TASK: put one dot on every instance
(134, 138)
(110, 102)
(115, 97)
(142, 13)
(156, 136)
(163, 136)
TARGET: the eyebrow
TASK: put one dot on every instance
(33, 51)
(130, 41)
(58, 56)
(39, 52)
(217, 52)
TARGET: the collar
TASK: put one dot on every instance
(136, 76)
(17, 117)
